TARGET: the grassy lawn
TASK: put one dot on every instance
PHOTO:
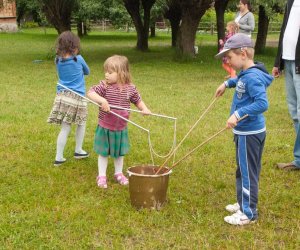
(44, 207)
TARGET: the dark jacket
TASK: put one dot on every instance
(278, 60)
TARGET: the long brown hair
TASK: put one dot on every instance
(120, 65)
(67, 43)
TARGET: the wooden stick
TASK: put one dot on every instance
(207, 140)
(207, 109)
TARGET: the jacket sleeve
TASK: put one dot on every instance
(278, 60)
(85, 67)
(257, 91)
(231, 83)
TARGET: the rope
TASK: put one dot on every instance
(169, 153)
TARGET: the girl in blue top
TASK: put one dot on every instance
(68, 107)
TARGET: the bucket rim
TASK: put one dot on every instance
(145, 175)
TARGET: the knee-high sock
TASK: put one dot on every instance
(62, 140)
(119, 164)
(102, 165)
(80, 131)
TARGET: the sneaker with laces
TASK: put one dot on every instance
(233, 208)
(238, 219)
(81, 156)
(121, 179)
(58, 163)
(101, 181)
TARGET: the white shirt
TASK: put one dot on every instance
(291, 33)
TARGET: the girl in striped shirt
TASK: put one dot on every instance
(111, 137)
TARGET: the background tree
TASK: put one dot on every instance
(58, 13)
(173, 13)
(266, 9)
(87, 10)
(192, 11)
(156, 14)
(220, 7)
(140, 21)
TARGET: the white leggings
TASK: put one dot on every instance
(63, 136)
(102, 165)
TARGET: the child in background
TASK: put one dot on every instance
(68, 107)
(111, 136)
(250, 98)
(231, 29)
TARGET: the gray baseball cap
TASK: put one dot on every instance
(238, 40)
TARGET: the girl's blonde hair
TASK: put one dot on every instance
(120, 65)
(234, 26)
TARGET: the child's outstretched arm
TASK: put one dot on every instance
(142, 107)
(220, 90)
(99, 99)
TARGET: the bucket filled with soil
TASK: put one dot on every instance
(148, 189)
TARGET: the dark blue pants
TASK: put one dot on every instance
(249, 150)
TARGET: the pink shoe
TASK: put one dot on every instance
(101, 181)
(121, 179)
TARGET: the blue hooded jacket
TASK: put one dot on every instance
(250, 98)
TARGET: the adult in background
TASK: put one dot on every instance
(244, 18)
(288, 57)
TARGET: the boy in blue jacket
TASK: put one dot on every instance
(250, 99)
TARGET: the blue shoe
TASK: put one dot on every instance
(81, 156)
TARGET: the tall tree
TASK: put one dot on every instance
(266, 9)
(220, 7)
(58, 13)
(192, 11)
(173, 13)
(141, 22)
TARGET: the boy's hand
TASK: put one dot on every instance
(220, 90)
(232, 121)
(105, 106)
(275, 72)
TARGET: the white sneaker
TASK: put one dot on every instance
(238, 219)
(233, 208)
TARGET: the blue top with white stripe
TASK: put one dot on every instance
(250, 98)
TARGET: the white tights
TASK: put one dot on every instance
(103, 161)
(62, 140)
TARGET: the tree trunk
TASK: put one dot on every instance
(79, 29)
(187, 34)
(262, 32)
(152, 30)
(192, 11)
(141, 26)
(58, 13)
(220, 7)
(173, 13)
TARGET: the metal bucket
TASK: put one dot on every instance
(146, 189)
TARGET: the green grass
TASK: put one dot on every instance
(43, 207)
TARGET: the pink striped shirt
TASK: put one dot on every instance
(117, 96)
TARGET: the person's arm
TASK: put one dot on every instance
(142, 107)
(230, 83)
(277, 63)
(85, 67)
(94, 96)
(257, 91)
